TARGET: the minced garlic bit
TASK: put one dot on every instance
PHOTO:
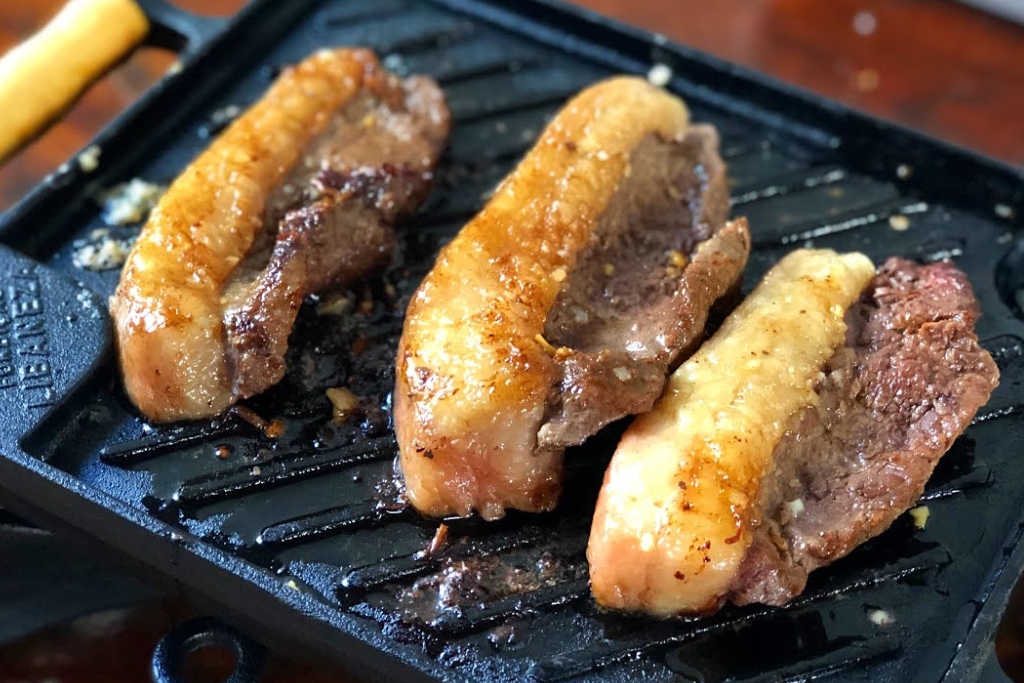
(879, 617)
(1004, 211)
(130, 202)
(225, 115)
(623, 374)
(344, 401)
(608, 269)
(899, 222)
(275, 428)
(677, 258)
(920, 516)
(89, 159)
(558, 275)
(290, 583)
(796, 507)
(101, 251)
(546, 345)
(334, 304)
(659, 75)
(394, 62)
(904, 171)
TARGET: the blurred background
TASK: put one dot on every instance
(935, 65)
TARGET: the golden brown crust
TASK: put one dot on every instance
(472, 378)
(167, 308)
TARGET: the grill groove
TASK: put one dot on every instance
(323, 523)
(136, 451)
(280, 470)
(784, 185)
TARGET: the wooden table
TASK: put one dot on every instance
(930, 64)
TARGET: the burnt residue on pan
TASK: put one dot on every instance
(474, 583)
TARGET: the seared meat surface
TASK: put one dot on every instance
(298, 194)
(892, 401)
(641, 290)
(561, 305)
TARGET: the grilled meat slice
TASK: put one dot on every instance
(298, 194)
(805, 426)
(892, 401)
(562, 304)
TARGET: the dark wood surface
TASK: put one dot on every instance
(930, 64)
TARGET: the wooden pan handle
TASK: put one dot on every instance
(43, 76)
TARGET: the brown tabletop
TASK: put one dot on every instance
(934, 65)
(929, 64)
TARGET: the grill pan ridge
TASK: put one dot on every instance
(301, 539)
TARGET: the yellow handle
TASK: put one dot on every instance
(44, 75)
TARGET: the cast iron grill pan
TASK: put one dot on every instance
(302, 538)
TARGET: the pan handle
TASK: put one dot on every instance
(44, 75)
(191, 636)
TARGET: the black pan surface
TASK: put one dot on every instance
(301, 539)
